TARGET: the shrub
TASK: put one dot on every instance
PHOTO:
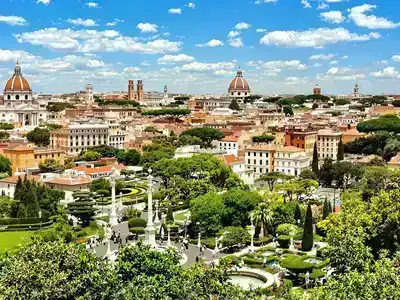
(296, 264)
(286, 229)
(137, 222)
(284, 241)
(233, 259)
(317, 273)
(261, 241)
(252, 262)
(137, 230)
(322, 264)
(93, 225)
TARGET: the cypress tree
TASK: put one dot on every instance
(330, 207)
(315, 159)
(325, 210)
(18, 189)
(340, 155)
(308, 239)
(234, 105)
(297, 213)
(170, 215)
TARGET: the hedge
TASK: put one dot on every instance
(322, 264)
(137, 222)
(137, 230)
(252, 262)
(24, 227)
(284, 241)
(317, 273)
(296, 264)
(234, 260)
(12, 221)
(261, 241)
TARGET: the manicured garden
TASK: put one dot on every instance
(10, 240)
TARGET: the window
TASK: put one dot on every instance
(260, 154)
(17, 97)
(255, 162)
(8, 97)
(26, 97)
(255, 154)
(248, 161)
(260, 162)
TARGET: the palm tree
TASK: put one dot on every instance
(263, 217)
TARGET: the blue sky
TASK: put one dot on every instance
(196, 46)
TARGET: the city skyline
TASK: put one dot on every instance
(196, 47)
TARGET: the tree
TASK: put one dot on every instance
(238, 203)
(209, 211)
(53, 270)
(39, 136)
(167, 112)
(82, 207)
(344, 172)
(297, 213)
(152, 129)
(206, 134)
(308, 174)
(340, 154)
(50, 166)
(234, 105)
(264, 138)
(388, 123)
(6, 204)
(170, 215)
(325, 209)
(308, 239)
(58, 106)
(325, 174)
(130, 157)
(6, 126)
(288, 110)
(263, 217)
(272, 177)
(234, 236)
(5, 165)
(90, 156)
(315, 167)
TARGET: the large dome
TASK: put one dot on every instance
(239, 83)
(17, 82)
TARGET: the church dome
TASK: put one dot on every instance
(239, 83)
(17, 82)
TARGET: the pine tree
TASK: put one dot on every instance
(82, 207)
(325, 210)
(234, 105)
(340, 155)
(18, 189)
(315, 159)
(170, 215)
(308, 239)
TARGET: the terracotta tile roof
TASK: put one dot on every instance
(353, 132)
(103, 169)
(67, 180)
(19, 148)
(289, 149)
(230, 138)
(14, 179)
(262, 148)
(231, 159)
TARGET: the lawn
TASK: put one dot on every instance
(180, 216)
(11, 239)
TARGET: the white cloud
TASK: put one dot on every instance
(12, 56)
(242, 26)
(147, 27)
(345, 57)
(236, 42)
(322, 56)
(176, 11)
(316, 38)
(45, 2)
(278, 65)
(295, 80)
(92, 5)
(396, 58)
(224, 73)
(94, 41)
(305, 4)
(114, 23)
(265, 1)
(131, 69)
(82, 22)
(145, 63)
(13, 20)
(322, 6)
(334, 17)
(206, 67)
(333, 62)
(212, 43)
(191, 5)
(261, 30)
(233, 33)
(335, 73)
(171, 59)
(357, 14)
(387, 73)
(317, 65)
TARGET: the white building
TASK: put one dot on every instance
(116, 136)
(291, 160)
(89, 94)
(19, 105)
(229, 144)
(239, 87)
(260, 159)
(328, 142)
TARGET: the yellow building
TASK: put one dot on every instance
(23, 157)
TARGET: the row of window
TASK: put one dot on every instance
(97, 130)
(88, 137)
(17, 97)
(260, 154)
(255, 162)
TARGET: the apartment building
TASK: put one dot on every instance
(328, 142)
(260, 159)
(291, 160)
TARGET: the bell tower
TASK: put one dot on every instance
(131, 90)
(140, 90)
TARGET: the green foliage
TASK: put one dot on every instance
(288, 110)
(234, 105)
(325, 174)
(5, 165)
(284, 241)
(308, 239)
(137, 222)
(50, 165)
(206, 134)
(209, 211)
(322, 98)
(90, 156)
(6, 126)
(296, 264)
(58, 106)
(342, 101)
(389, 123)
(39, 136)
(264, 138)
(238, 203)
(308, 174)
(234, 236)
(344, 172)
(340, 155)
(105, 150)
(263, 217)
(82, 207)
(272, 177)
(152, 129)
(103, 102)
(170, 215)
(181, 98)
(5, 206)
(130, 157)
(286, 229)
(167, 112)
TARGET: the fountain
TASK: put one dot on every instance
(291, 246)
(251, 279)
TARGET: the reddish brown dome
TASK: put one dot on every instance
(17, 82)
(239, 83)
